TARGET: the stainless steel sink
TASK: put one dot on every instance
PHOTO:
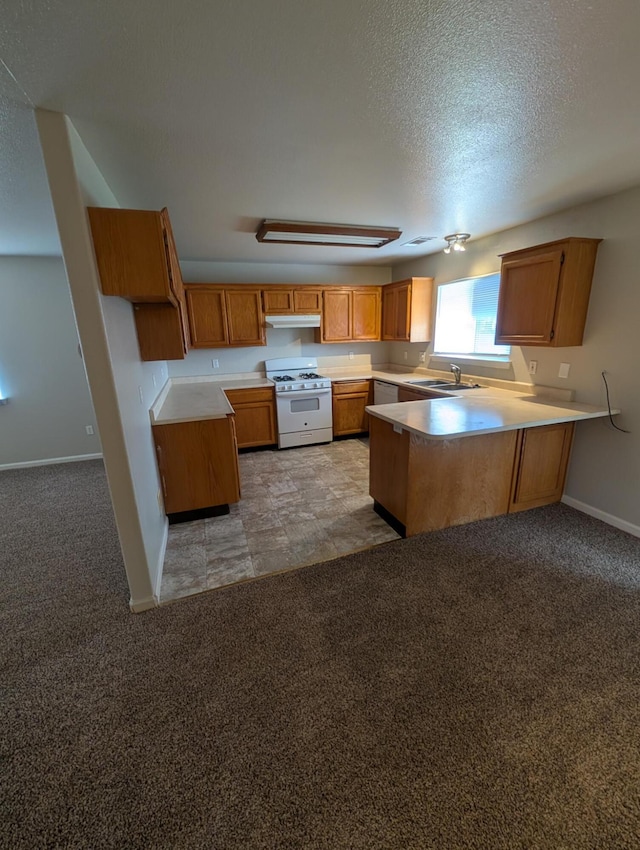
(444, 385)
(453, 386)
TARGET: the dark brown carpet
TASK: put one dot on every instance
(473, 688)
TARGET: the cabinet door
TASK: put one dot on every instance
(389, 302)
(349, 414)
(198, 464)
(542, 457)
(403, 312)
(366, 314)
(527, 301)
(277, 302)
(175, 277)
(244, 317)
(336, 316)
(160, 332)
(207, 317)
(255, 412)
(255, 424)
(130, 254)
(307, 300)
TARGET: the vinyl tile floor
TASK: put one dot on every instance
(299, 506)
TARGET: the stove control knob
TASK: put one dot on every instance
(290, 387)
(316, 385)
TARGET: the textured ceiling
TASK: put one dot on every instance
(429, 115)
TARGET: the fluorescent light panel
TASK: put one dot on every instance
(317, 233)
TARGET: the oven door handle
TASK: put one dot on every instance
(304, 393)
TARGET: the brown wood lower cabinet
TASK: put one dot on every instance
(411, 394)
(198, 463)
(255, 412)
(427, 484)
(540, 469)
(350, 399)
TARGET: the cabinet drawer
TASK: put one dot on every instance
(247, 396)
(342, 387)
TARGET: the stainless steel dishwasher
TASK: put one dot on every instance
(384, 393)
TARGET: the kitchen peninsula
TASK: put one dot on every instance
(450, 461)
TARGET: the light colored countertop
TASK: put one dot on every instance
(464, 416)
(203, 397)
(407, 377)
(190, 399)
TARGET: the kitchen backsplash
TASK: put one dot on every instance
(289, 342)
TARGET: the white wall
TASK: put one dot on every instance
(114, 369)
(308, 273)
(604, 474)
(40, 367)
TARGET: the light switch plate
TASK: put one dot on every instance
(563, 371)
(533, 367)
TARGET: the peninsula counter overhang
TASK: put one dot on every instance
(450, 418)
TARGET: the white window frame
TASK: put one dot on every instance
(495, 361)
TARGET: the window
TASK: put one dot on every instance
(466, 319)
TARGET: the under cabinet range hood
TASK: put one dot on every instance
(293, 320)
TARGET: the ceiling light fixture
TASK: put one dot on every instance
(456, 242)
(317, 233)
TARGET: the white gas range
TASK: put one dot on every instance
(303, 401)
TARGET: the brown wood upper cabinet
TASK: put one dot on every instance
(282, 301)
(221, 316)
(137, 260)
(544, 293)
(350, 314)
(407, 310)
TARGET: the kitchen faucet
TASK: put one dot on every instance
(457, 372)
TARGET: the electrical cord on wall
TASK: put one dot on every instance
(606, 387)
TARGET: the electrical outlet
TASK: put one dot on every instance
(215, 364)
(423, 356)
(533, 367)
(140, 393)
(406, 354)
(160, 501)
(563, 371)
(89, 429)
(351, 355)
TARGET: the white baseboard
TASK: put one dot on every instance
(49, 460)
(610, 519)
(139, 605)
(163, 549)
